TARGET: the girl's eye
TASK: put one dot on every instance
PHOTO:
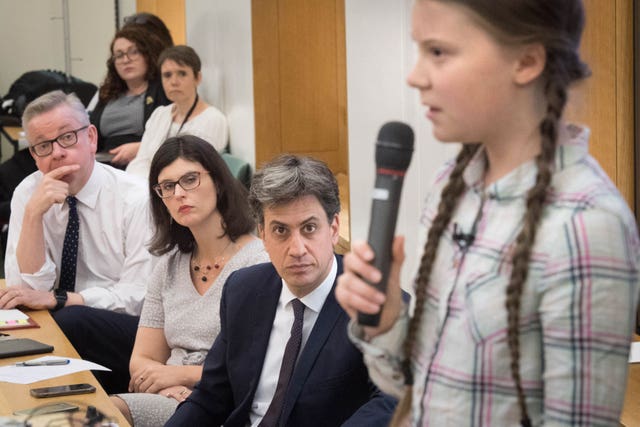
(436, 51)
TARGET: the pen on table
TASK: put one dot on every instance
(44, 362)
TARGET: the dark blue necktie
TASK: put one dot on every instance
(70, 248)
(291, 351)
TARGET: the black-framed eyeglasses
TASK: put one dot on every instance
(132, 54)
(188, 181)
(65, 140)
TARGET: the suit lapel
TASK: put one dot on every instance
(262, 314)
(323, 327)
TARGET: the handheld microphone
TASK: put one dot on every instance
(394, 148)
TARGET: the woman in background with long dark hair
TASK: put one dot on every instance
(129, 93)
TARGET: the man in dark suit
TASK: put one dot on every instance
(283, 357)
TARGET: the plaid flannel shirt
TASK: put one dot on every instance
(577, 308)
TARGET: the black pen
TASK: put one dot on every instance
(44, 362)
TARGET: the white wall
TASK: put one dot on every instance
(220, 31)
(379, 56)
(32, 38)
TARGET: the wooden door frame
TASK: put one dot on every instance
(636, 104)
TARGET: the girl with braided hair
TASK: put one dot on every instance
(527, 287)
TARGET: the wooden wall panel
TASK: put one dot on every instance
(604, 102)
(308, 76)
(624, 94)
(266, 79)
(300, 80)
(171, 12)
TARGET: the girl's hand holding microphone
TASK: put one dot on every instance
(355, 294)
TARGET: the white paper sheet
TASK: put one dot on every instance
(12, 314)
(634, 355)
(31, 374)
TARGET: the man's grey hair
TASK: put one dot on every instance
(288, 178)
(51, 100)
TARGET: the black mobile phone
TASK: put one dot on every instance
(62, 390)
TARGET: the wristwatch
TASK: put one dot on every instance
(61, 298)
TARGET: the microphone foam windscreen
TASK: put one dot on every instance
(394, 146)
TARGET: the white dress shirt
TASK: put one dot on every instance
(210, 125)
(280, 333)
(113, 262)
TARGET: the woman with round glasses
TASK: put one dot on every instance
(203, 233)
(188, 114)
(129, 94)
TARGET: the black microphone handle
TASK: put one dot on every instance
(384, 214)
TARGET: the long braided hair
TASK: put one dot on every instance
(557, 25)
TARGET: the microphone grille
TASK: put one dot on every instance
(394, 147)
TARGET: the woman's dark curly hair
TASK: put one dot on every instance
(149, 45)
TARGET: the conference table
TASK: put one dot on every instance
(16, 396)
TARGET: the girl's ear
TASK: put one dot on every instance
(530, 63)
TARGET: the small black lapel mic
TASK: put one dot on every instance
(393, 155)
(463, 240)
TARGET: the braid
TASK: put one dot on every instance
(450, 195)
(556, 94)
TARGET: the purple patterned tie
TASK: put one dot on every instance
(70, 248)
(291, 351)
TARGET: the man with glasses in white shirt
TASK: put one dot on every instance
(77, 237)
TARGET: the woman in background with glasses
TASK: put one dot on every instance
(130, 92)
(203, 233)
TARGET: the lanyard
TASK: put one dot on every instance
(193, 107)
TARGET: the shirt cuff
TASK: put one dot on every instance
(42, 280)
(388, 343)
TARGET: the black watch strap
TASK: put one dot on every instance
(61, 298)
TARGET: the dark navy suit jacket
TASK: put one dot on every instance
(330, 385)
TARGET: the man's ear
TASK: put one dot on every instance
(260, 231)
(530, 63)
(335, 229)
(92, 133)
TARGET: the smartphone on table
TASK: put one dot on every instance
(62, 390)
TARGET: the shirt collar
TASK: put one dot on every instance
(88, 194)
(573, 147)
(315, 299)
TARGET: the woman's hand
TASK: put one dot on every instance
(123, 154)
(177, 392)
(155, 377)
(355, 295)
